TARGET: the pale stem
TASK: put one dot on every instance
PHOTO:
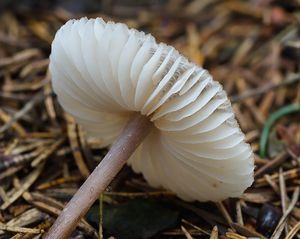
(131, 137)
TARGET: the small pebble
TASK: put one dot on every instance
(268, 219)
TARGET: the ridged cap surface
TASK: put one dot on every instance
(104, 72)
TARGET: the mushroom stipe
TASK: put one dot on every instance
(181, 135)
(132, 135)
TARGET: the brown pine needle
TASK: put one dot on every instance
(20, 229)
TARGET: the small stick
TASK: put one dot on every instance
(131, 137)
(27, 107)
(224, 212)
(101, 216)
(279, 228)
(239, 214)
(293, 232)
(266, 88)
(20, 229)
(278, 160)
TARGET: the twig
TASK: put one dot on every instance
(59, 181)
(195, 227)
(20, 57)
(27, 107)
(233, 235)
(247, 232)
(30, 179)
(239, 215)
(53, 207)
(273, 185)
(214, 233)
(291, 79)
(280, 37)
(293, 232)
(289, 174)
(279, 159)
(186, 233)
(73, 139)
(283, 196)
(6, 118)
(278, 230)
(47, 152)
(224, 212)
(20, 229)
(101, 216)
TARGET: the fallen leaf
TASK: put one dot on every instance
(134, 219)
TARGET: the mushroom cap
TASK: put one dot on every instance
(104, 72)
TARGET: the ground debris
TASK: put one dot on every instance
(251, 47)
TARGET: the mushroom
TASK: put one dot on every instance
(165, 115)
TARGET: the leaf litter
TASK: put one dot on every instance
(251, 47)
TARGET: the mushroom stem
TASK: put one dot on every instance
(131, 137)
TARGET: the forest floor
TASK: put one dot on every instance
(251, 47)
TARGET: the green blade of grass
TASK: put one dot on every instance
(270, 122)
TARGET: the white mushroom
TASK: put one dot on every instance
(104, 74)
